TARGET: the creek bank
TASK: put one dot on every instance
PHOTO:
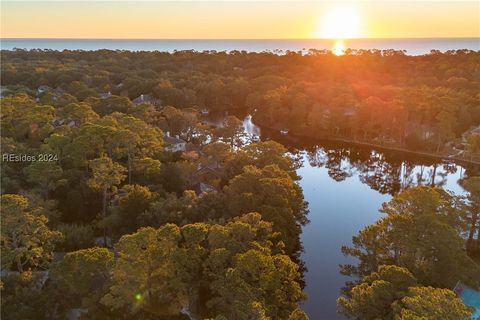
(293, 137)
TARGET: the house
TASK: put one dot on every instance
(58, 122)
(66, 122)
(174, 144)
(208, 172)
(202, 188)
(470, 297)
(146, 98)
(43, 89)
(105, 95)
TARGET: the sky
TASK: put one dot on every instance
(239, 19)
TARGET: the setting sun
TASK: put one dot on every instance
(338, 48)
(340, 23)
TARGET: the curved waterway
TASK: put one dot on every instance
(345, 186)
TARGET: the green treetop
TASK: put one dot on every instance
(27, 242)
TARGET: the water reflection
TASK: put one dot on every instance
(382, 171)
(251, 132)
(250, 128)
(345, 185)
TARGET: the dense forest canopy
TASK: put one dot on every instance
(118, 210)
(384, 97)
(120, 202)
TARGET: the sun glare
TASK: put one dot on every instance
(338, 48)
(340, 23)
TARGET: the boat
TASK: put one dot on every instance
(284, 132)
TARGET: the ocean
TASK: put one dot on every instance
(412, 46)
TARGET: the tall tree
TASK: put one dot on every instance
(27, 242)
(134, 138)
(23, 296)
(105, 175)
(432, 303)
(79, 278)
(393, 293)
(79, 113)
(473, 146)
(145, 280)
(472, 186)
(249, 274)
(373, 297)
(45, 174)
(134, 202)
(440, 257)
(445, 129)
(275, 195)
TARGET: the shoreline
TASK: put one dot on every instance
(404, 150)
(292, 137)
(379, 146)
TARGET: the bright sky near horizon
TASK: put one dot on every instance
(239, 19)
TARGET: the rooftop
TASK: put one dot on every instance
(146, 98)
(201, 188)
(173, 140)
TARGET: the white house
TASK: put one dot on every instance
(43, 89)
(174, 144)
(146, 98)
(105, 95)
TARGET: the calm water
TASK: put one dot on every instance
(345, 186)
(413, 46)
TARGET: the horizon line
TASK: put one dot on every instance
(241, 39)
